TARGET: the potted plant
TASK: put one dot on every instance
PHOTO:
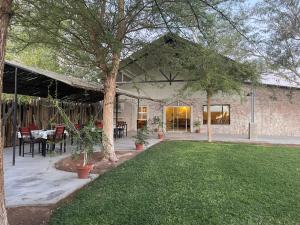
(155, 122)
(141, 138)
(86, 137)
(158, 127)
(197, 124)
(160, 133)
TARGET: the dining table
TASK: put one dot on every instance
(44, 135)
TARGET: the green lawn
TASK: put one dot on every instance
(186, 182)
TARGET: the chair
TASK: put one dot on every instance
(26, 137)
(58, 137)
(99, 124)
(33, 126)
(121, 128)
(77, 127)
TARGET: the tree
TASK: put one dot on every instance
(38, 57)
(5, 15)
(88, 34)
(214, 32)
(214, 73)
(98, 33)
(277, 34)
(207, 70)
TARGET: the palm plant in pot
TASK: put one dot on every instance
(197, 125)
(141, 138)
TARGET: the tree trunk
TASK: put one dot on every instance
(108, 116)
(5, 14)
(209, 131)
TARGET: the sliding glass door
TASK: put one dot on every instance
(178, 118)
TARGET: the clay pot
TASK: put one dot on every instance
(84, 171)
(160, 135)
(139, 147)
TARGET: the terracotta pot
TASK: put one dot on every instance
(91, 166)
(160, 135)
(139, 147)
(84, 171)
(197, 130)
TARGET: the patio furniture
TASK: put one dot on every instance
(33, 126)
(58, 137)
(26, 137)
(123, 126)
(99, 124)
(77, 127)
(119, 131)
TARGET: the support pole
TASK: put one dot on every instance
(81, 112)
(117, 109)
(252, 125)
(15, 117)
(252, 105)
(137, 119)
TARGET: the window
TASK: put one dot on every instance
(220, 114)
(142, 116)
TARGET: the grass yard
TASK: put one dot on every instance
(185, 183)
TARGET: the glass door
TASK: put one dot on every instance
(178, 118)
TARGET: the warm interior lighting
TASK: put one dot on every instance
(178, 118)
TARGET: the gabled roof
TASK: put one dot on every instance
(132, 61)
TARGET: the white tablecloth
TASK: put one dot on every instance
(41, 133)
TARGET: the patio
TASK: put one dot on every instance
(235, 138)
(35, 181)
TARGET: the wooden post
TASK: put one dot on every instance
(15, 117)
(137, 118)
(117, 108)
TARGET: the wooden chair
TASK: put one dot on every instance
(33, 126)
(58, 137)
(77, 127)
(99, 124)
(26, 137)
(122, 128)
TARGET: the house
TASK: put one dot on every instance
(273, 108)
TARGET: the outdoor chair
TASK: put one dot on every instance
(33, 126)
(99, 124)
(77, 127)
(58, 137)
(26, 137)
(122, 128)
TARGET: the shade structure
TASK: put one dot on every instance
(25, 80)
(41, 83)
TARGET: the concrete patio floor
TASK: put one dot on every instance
(234, 138)
(35, 181)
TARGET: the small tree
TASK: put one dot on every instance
(213, 73)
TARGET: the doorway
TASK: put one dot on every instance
(178, 118)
